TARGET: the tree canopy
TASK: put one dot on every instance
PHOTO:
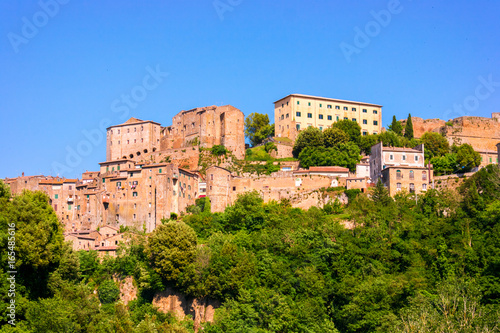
(258, 128)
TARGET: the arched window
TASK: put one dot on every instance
(412, 174)
(424, 175)
(399, 175)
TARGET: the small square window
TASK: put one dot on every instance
(309, 104)
(297, 126)
(353, 119)
(329, 117)
(298, 102)
(320, 116)
(375, 122)
(365, 110)
(353, 109)
(346, 108)
(320, 105)
(337, 107)
(309, 115)
(328, 106)
(375, 112)
(298, 114)
(365, 122)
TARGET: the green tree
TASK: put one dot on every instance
(38, 239)
(380, 195)
(334, 136)
(310, 137)
(409, 128)
(258, 128)
(108, 292)
(171, 248)
(444, 165)
(219, 150)
(350, 127)
(390, 139)
(396, 126)
(345, 155)
(366, 142)
(435, 145)
(467, 158)
(269, 146)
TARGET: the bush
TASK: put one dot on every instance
(219, 150)
(108, 292)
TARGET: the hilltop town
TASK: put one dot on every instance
(154, 172)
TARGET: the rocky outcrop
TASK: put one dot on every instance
(201, 310)
(128, 291)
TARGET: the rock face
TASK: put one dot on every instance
(202, 310)
(128, 292)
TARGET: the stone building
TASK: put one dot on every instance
(206, 127)
(400, 168)
(296, 112)
(480, 132)
(132, 139)
(223, 187)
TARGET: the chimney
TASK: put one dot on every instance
(23, 173)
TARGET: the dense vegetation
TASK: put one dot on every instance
(405, 265)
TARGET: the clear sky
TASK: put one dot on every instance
(66, 68)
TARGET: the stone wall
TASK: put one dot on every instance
(283, 151)
(420, 126)
(483, 134)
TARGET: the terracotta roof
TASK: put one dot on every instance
(112, 227)
(328, 99)
(115, 161)
(133, 121)
(411, 150)
(325, 169)
(107, 248)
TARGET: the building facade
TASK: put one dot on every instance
(296, 112)
(207, 127)
(400, 169)
(133, 139)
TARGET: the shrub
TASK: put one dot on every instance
(108, 292)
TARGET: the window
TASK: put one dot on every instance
(399, 175)
(337, 107)
(391, 157)
(298, 127)
(353, 119)
(234, 188)
(320, 116)
(69, 207)
(353, 109)
(320, 105)
(189, 187)
(309, 115)
(118, 184)
(282, 116)
(57, 196)
(365, 110)
(346, 108)
(118, 168)
(134, 194)
(159, 171)
(412, 174)
(375, 112)
(107, 168)
(416, 158)
(424, 175)
(404, 157)
(298, 102)
(328, 106)
(211, 177)
(87, 196)
(55, 207)
(309, 104)
(375, 122)
(345, 118)
(398, 186)
(424, 187)
(287, 115)
(337, 118)
(321, 128)
(365, 122)
(297, 114)
(412, 187)
(329, 117)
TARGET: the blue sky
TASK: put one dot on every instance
(64, 75)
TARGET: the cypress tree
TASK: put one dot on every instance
(409, 128)
(396, 126)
